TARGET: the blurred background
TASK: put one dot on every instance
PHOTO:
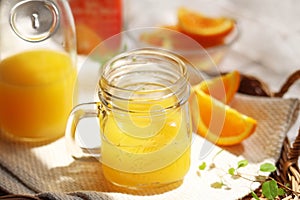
(268, 45)
(268, 42)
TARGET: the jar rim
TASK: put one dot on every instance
(178, 88)
(181, 61)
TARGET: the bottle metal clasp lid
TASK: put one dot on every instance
(34, 20)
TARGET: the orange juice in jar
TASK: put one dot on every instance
(36, 89)
(144, 119)
(146, 147)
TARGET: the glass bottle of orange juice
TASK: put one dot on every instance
(37, 68)
(144, 119)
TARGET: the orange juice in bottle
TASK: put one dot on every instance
(36, 89)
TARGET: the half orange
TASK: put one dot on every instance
(216, 121)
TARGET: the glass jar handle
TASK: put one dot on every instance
(84, 110)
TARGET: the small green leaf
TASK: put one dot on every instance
(242, 163)
(280, 192)
(254, 195)
(270, 189)
(231, 171)
(217, 185)
(267, 167)
(202, 166)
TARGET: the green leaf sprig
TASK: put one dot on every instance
(233, 171)
(270, 188)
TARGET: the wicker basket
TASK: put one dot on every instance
(288, 169)
(287, 174)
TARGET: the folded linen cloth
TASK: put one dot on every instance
(47, 171)
(58, 196)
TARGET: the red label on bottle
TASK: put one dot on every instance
(102, 18)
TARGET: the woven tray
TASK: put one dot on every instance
(287, 174)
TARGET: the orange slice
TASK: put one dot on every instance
(223, 87)
(217, 121)
(208, 31)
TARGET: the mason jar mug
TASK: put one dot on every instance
(144, 119)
